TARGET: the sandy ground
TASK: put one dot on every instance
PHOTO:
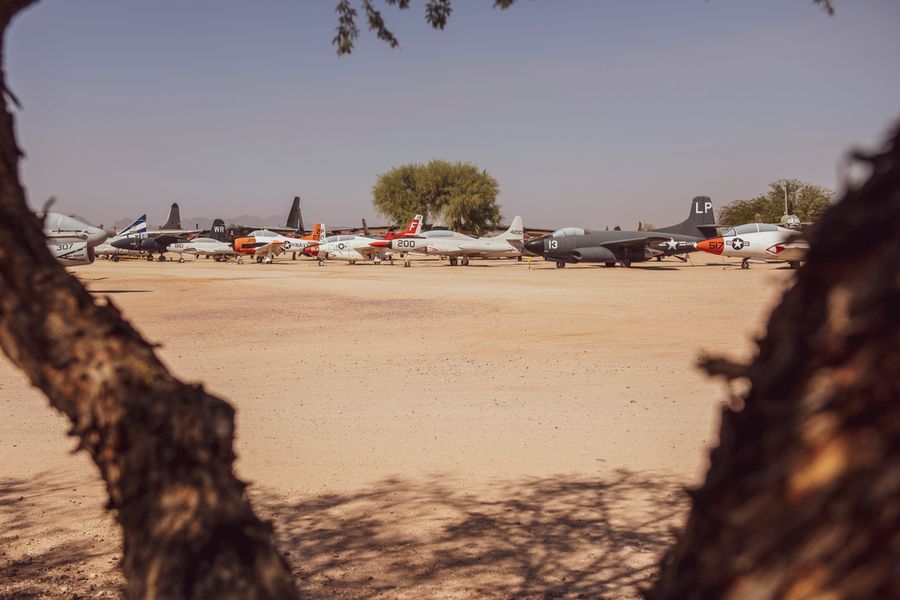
(494, 431)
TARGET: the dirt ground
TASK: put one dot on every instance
(503, 430)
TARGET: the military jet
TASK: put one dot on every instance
(155, 241)
(573, 245)
(459, 247)
(214, 245)
(760, 241)
(354, 248)
(136, 229)
(265, 244)
(71, 240)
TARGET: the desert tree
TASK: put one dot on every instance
(459, 194)
(806, 200)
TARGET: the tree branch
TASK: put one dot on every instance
(163, 448)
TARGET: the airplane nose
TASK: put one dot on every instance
(123, 244)
(711, 245)
(535, 246)
(311, 250)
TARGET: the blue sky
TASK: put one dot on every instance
(588, 112)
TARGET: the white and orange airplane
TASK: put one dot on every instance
(353, 248)
(760, 241)
(265, 244)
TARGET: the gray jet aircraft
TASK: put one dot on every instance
(574, 245)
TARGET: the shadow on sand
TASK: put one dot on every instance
(554, 537)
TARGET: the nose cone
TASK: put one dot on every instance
(96, 236)
(123, 244)
(535, 246)
(711, 245)
(311, 250)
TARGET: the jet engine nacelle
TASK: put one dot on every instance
(594, 255)
(72, 254)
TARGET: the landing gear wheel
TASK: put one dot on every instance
(268, 260)
(609, 265)
(321, 263)
(406, 263)
(161, 258)
(259, 260)
(352, 262)
(180, 260)
(745, 264)
(626, 262)
(465, 261)
(560, 265)
(240, 261)
(150, 258)
(114, 259)
(519, 258)
(453, 261)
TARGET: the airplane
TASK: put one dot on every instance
(265, 244)
(137, 228)
(70, 240)
(761, 241)
(353, 248)
(214, 245)
(459, 247)
(573, 245)
(156, 240)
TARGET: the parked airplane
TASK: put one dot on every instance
(156, 241)
(214, 245)
(351, 248)
(459, 247)
(759, 241)
(265, 244)
(575, 245)
(136, 229)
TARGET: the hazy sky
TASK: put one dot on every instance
(587, 112)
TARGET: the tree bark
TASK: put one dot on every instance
(164, 448)
(802, 498)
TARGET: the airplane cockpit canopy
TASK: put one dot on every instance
(263, 233)
(204, 240)
(439, 233)
(339, 238)
(749, 228)
(569, 232)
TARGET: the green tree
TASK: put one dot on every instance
(805, 200)
(460, 194)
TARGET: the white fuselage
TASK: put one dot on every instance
(767, 244)
(202, 247)
(350, 248)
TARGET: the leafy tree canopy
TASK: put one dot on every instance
(463, 196)
(806, 200)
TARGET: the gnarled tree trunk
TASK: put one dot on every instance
(802, 498)
(164, 448)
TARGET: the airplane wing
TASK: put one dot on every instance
(370, 252)
(270, 249)
(636, 242)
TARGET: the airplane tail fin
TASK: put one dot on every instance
(174, 220)
(295, 217)
(516, 231)
(321, 229)
(702, 216)
(415, 226)
(138, 226)
(217, 231)
(365, 228)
